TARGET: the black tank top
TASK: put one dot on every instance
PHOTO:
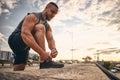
(39, 16)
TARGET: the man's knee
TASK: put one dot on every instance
(39, 27)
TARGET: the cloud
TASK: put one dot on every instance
(3, 43)
(10, 3)
(3, 38)
(97, 12)
(7, 5)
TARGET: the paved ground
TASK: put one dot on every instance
(81, 71)
(118, 74)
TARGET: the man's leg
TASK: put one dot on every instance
(19, 67)
(21, 59)
(20, 50)
(39, 36)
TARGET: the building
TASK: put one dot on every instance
(6, 55)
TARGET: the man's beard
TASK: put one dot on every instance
(47, 17)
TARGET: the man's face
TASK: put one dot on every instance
(51, 12)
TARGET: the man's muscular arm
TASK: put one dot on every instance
(51, 43)
(26, 33)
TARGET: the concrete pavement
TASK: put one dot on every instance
(80, 71)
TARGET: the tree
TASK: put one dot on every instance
(87, 59)
(35, 57)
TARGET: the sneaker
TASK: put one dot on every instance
(51, 64)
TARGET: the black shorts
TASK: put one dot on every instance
(20, 49)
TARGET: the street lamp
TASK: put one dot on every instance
(72, 43)
(98, 54)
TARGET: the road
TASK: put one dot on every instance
(76, 71)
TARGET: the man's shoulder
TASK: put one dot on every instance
(35, 14)
(38, 15)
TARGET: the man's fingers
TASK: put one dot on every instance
(54, 51)
(49, 58)
(54, 54)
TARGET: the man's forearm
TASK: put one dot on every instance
(51, 44)
(29, 40)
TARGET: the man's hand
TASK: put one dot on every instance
(54, 53)
(45, 57)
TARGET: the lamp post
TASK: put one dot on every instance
(72, 46)
(72, 43)
(98, 54)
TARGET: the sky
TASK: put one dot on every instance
(81, 27)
